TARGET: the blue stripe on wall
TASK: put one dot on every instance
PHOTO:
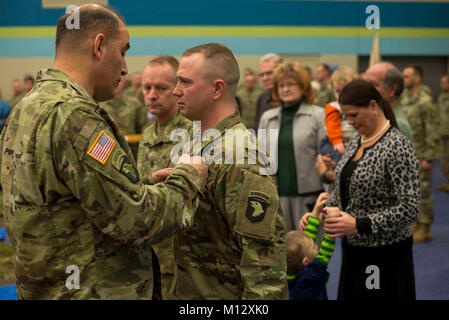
(242, 12)
(142, 46)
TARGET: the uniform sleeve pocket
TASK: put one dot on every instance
(258, 206)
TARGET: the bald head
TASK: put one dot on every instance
(93, 19)
(387, 79)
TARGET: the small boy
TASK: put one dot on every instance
(306, 266)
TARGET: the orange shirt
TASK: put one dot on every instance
(333, 124)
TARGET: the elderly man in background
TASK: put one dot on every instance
(267, 64)
(389, 81)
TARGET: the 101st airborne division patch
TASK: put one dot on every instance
(258, 203)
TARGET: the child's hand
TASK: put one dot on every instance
(304, 221)
(319, 204)
(340, 147)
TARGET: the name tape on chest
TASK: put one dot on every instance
(102, 147)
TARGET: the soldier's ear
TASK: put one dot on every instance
(98, 46)
(219, 88)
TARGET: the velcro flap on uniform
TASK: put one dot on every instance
(258, 206)
(82, 140)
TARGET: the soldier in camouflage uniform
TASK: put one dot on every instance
(128, 113)
(248, 96)
(74, 203)
(325, 94)
(422, 116)
(18, 93)
(236, 248)
(159, 80)
(135, 90)
(443, 109)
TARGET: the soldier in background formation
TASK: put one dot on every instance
(236, 248)
(17, 92)
(422, 116)
(135, 90)
(443, 109)
(159, 80)
(74, 200)
(248, 95)
(29, 82)
(323, 77)
(128, 113)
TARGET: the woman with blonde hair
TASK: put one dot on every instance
(300, 126)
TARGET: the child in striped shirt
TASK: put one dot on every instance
(306, 265)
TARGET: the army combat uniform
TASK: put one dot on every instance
(14, 99)
(248, 102)
(73, 198)
(154, 154)
(128, 113)
(422, 116)
(443, 109)
(235, 249)
(324, 96)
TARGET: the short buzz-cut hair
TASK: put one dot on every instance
(168, 60)
(271, 57)
(93, 20)
(325, 67)
(219, 62)
(417, 70)
(298, 247)
(28, 77)
(165, 59)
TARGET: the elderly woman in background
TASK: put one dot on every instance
(377, 190)
(301, 128)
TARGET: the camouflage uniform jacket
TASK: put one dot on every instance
(138, 94)
(65, 204)
(153, 155)
(128, 113)
(14, 99)
(248, 103)
(235, 249)
(324, 96)
(443, 108)
(422, 116)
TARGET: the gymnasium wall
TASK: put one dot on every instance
(307, 31)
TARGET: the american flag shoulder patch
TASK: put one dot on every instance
(102, 147)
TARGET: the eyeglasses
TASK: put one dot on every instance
(268, 73)
(287, 85)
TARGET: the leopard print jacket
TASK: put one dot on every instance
(384, 187)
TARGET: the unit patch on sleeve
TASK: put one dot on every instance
(102, 147)
(258, 203)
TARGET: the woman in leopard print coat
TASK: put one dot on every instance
(377, 190)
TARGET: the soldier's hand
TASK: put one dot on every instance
(161, 175)
(198, 163)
